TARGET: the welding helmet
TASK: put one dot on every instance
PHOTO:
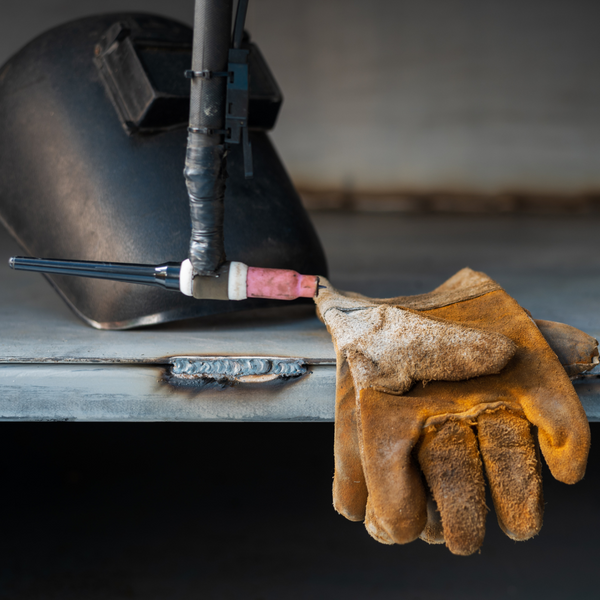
(93, 117)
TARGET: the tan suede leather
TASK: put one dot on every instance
(384, 441)
(577, 351)
(389, 347)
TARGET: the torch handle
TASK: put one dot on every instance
(165, 275)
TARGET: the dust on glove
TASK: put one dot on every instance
(390, 347)
(385, 443)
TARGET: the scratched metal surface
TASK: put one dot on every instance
(37, 327)
(548, 264)
(137, 393)
(80, 392)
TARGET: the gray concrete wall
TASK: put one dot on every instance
(478, 96)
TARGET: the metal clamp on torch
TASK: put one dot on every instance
(218, 117)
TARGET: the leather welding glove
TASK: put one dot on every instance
(577, 352)
(382, 434)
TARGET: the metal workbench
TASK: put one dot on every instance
(54, 367)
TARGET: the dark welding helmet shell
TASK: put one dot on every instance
(90, 173)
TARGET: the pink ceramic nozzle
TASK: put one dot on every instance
(280, 284)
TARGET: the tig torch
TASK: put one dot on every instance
(218, 109)
(233, 281)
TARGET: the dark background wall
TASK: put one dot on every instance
(473, 96)
(243, 511)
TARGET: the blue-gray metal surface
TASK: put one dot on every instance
(54, 367)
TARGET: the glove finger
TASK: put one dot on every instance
(396, 504)
(433, 532)
(450, 461)
(577, 351)
(374, 528)
(513, 471)
(349, 486)
(552, 405)
(563, 430)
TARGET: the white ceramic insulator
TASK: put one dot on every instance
(186, 274)
(238, 274)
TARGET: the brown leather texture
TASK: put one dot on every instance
(413, 465)
(389, 347)
(576, 350)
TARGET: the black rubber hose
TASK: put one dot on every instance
(205, 164)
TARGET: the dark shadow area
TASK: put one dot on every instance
(204, 510)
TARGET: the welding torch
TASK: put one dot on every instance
(218, 109)
(232, 281)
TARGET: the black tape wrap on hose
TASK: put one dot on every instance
(205, 178)
(205, 165)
